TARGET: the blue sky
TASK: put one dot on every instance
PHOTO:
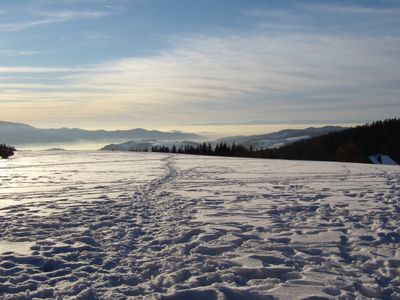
(170, 63)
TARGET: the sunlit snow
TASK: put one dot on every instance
(78, 224)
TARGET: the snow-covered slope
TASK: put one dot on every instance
(279, 138)
(88, 225)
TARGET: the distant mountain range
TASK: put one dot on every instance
(20, 134)
(141, 139)
(262, 141)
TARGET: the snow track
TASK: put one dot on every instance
(118, 225)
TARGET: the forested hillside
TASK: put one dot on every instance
(348, 145)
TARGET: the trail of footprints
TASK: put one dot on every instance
(151, 245)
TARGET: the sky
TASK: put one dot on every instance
(183, 63)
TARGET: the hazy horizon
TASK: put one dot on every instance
(208, 132)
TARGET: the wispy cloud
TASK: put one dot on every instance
(12, 52)
(69, 15)
(8, 52)
(355, 10)
(23, 25)
(5, 70)
(229, 77)
(40, 18)
(335, 17)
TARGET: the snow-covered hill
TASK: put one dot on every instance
(88, 225)
(279, 138)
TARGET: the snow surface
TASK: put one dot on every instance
(88, 225)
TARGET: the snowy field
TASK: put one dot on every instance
(88, 225)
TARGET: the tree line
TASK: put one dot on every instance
(221, 149)
(6, 151)
(348, 145)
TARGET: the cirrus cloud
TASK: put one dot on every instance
(261, 76)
